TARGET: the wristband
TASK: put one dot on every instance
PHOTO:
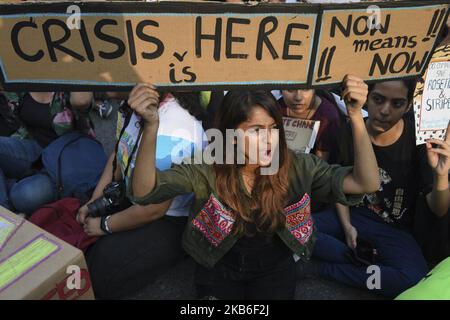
(104, 224)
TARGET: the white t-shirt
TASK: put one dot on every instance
(179, 136)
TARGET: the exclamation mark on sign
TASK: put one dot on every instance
(325, 62)
(436, 21)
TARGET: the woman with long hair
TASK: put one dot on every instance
(251, 213)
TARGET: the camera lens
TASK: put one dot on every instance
(98, 207)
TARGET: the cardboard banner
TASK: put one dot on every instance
(432, 98)
(192, 46)
(301, 134)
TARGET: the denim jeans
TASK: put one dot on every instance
(400, 259)
(29, 194)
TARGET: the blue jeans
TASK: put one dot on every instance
(399, 257)
(29, 194)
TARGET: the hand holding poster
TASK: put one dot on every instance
(301, 134)
(432, 98)
(184, 46)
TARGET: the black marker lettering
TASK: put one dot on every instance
(288, 42)
(141, 35)
(52, 45)
(263, 37)
(216, 37)
(15, 41)
(120, 51)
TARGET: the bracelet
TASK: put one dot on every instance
(104, 224)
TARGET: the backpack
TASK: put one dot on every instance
(59, 219)
(75, 163)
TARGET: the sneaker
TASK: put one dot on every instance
(104, 109)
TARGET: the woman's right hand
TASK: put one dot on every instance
(144, 100)
(350, 236)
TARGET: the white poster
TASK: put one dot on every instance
(432, 98)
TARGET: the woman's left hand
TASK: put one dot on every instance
(439, 157)
(354, 94)
(92, 227)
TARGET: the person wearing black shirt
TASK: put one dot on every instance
(383, 221)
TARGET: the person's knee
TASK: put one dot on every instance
(413, 276)
(31, 193)
(408, 278)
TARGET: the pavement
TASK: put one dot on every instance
(177, 282)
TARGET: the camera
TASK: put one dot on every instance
(114, 196)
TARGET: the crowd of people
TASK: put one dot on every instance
(353, 202)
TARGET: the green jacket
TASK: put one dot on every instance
(208, 237)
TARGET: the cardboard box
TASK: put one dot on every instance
(36, 265)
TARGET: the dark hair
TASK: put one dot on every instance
(270, 190)
(190, 101)
(410, 85)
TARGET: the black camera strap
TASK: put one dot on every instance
(128, 115)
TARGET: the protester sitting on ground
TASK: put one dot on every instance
(40, 118)
(432, 232)
(384, 220)
(308, 105)
(138, 243)
(248, 219)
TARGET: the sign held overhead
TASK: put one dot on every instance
(192, 46)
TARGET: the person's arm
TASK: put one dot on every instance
(144, 101)
(365, 177)
(136, 216)
(349, 230)
(81, 101)
(439, 198)
(439, 160)
(128, 219)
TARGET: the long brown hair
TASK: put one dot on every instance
(265, 208)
